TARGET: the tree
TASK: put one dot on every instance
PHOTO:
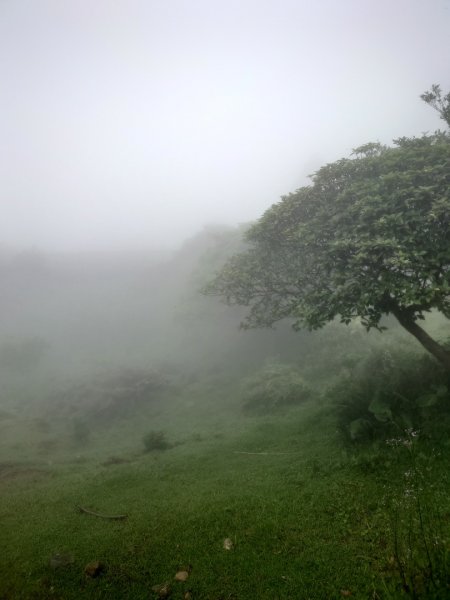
(370, 236)
(440, 103)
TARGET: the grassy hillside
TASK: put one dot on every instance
(307, 517)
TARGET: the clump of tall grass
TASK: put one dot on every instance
(420, 537)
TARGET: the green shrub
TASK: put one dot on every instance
(272, 388)
(389, 393)
(155, 440)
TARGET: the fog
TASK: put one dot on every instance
(130, 125)
(71, 316)
(148, 446)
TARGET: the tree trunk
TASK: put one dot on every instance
(422, 336)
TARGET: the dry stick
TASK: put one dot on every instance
(95, 514)
(265, 453)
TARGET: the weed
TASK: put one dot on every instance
(420, 546)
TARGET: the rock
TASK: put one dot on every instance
(60, 560)
(182, 575)
(227, 544)
(163, 590)
(94, 568)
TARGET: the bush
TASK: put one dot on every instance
(389, 393)
(272, 388)
(155, 440)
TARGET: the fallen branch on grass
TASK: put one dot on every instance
(102, 516)
(264, 453)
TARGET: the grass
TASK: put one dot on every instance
(308, 520)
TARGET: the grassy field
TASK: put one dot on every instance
(306, 516)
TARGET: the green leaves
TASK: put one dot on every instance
(432, 398)
(435, 98)
(380, 409)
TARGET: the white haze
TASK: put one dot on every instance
(132, 123)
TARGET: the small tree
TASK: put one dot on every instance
(370, 236)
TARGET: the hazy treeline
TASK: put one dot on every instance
(75, 313)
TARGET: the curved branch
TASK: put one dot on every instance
(102, 516)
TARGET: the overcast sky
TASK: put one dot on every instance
(135, 122)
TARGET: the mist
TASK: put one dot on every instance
(132, 125)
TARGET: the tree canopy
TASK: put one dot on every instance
(369, 236)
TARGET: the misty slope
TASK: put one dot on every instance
(94, 311)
